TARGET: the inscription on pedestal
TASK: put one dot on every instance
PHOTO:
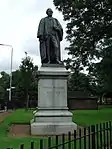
(53, 87)
(54, 95)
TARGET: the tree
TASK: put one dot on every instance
(81, 82)
(25, 82)
(89, 29)
(26, 69)
(34, 87)
(18, 91)
(4, 84)
(103, 74)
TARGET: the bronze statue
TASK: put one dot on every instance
(50, 33)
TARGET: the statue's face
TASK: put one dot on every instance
(49, 12)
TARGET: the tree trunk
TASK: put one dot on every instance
(27, 100)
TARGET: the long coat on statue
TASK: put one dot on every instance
(49, 38)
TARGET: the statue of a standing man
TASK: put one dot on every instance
(50, 33)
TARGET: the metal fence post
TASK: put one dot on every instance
(22, 146)
(32, 145)
(93, 136)
(41, 144)
(110, 130)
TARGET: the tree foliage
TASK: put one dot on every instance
(103, 73)
(4, 84)
(26, 69)
(89, 29)
(82, 82)
(25, 82)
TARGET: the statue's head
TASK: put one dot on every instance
(49, 12)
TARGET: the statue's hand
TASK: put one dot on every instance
(41, 38)
(56, 28)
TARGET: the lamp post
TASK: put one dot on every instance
(10, 69)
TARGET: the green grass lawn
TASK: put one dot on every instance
(91, 117)
(81, 117)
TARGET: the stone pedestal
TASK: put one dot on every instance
(53, 116)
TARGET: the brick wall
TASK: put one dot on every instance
(86, 103)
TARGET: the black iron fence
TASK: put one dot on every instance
(93, 137)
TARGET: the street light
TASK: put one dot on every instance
(10, 69)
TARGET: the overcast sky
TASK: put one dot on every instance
(19, 21)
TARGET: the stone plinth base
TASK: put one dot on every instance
(53, 116)
(52, 128)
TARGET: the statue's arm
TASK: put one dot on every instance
(40, 29)
(59, 29)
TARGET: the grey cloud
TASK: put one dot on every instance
(25, 15)
(5, 65)
(31, 46)
(30, 6)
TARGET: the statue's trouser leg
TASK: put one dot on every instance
(48, 48)
(56, 48)
(42, 51)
